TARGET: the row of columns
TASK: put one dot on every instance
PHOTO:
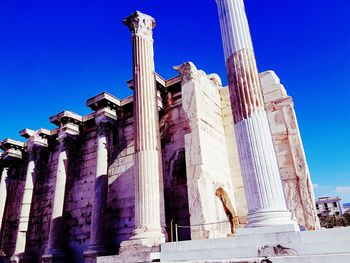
(69, 126)
(266, 201)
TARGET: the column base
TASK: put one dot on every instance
(54, 256)
(143, 246)
(155, 235)
(267, 230)
(17, 258)
(93, 252)
(135, 251)
(267, 218)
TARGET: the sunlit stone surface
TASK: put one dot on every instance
(105, 187)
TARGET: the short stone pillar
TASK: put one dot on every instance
(69, 129)
(33, 148)
(3, 191)
(265, 197)
(12, 152)
(104, 119)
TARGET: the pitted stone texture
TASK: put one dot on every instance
(206, 154)
(288, 145)
(233, 157)
(173, 127)
(121, 180)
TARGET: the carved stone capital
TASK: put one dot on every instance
(140, 24)
(66, 141)
(103, 128)
(188, 71)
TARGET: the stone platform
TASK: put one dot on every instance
(327, 245)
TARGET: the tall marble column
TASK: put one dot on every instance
(69, 128)
(3, 192)
(99, 204)
(147, 140)
(265, 196)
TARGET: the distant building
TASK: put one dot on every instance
(328, 206)
(346, 208)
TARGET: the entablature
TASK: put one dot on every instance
(12, 149)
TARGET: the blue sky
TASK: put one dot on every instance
(54, 55)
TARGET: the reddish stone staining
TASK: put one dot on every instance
(246, 94)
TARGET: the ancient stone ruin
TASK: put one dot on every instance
(114, 181)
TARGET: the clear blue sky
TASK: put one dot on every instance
(56, 54)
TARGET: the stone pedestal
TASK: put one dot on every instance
(265, 196)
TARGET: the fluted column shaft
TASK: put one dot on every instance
(147, 141)
(26, 205)
(99, 205)
(265, 196)
(3, 192)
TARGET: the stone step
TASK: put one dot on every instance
(330, 258)
(313, 243)
(320, 236)
(253, 251)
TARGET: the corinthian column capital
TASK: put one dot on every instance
(140, 24)
(103, 128)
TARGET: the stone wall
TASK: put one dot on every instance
(199, 155)
(206, 154)
(235, 168)
(289, 150)
(174, 126)
(121, 192)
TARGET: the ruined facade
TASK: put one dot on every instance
(133, 166)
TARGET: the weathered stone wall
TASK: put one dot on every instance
(289, 150)
(78, 198)
(199, 155)
(206, 154)
(121, 194)
(235, 168)
(174, 126)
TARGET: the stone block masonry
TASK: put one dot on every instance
(112, 181)
(288, 145)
